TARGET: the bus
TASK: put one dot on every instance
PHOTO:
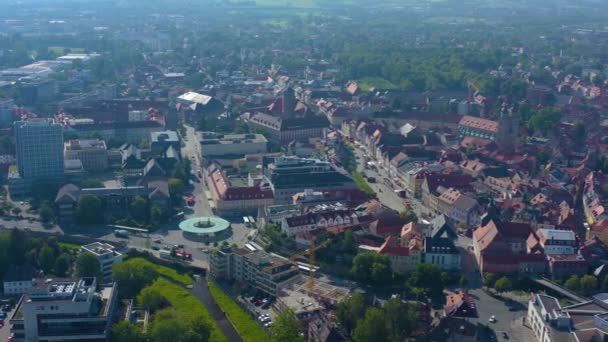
(251, 221)
(246, 221)
(121, 233)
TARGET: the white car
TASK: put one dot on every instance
(492, 319)
(268, 325)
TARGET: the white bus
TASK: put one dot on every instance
(251, 221)
(246, 221)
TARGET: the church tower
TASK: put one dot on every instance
(289, 102)
(508, 129)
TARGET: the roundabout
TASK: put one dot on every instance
(204, 227)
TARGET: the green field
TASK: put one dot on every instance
(167, 272)
(70, 247)
(247, 327)
(187, 305)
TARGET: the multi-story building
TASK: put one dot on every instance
(235, 195)
(553, 241)
(336, 217)
(442, 252)
(92, 153)
(403, 255)
(288, 176)
(458, 206)
(39, 149)
(160, 141)
(18, 279)
(107, 256)
(64, 310)
(214, 145)
(258, 269)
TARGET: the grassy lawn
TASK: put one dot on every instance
(70, 247)
(247, 327)
(362, 184)
(167, 272)
(186, 304)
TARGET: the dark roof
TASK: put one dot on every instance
(496, 172)
(441, 228)
(19, 273)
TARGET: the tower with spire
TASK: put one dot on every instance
(508, 129)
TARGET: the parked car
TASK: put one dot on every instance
(156, 248)
(492, 319)
(158, 241)
(258, 302)
(268, 325)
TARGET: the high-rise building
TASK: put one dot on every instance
(39, 149)
(65, 310)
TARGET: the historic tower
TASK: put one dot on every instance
(508, 129)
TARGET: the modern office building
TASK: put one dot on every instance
(227, 145)
(288, 176)
(64, 310)
(107, 256)
(6, 111)
(92, 153)
(258, 269)
(39, 149)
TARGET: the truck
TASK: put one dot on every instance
(121, 233)
(165, 254)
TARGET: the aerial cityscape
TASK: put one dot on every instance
(304, 170)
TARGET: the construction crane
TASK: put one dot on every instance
(311, 259)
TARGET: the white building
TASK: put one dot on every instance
(18, 279)
(107, 256)
(216, 145)
(64, 310)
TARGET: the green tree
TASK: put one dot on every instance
(46, 212)
(503, 284)
(62, 265)
(124, 331)
(132, 276)
(573, 283)
(179, 172)
(176, 189)
(91, 183)
(286, 328)
(544, 120)
(87, 265)
(372, 328)
(489, 279)
(46, 258)
(150, 298)
(156, 214)
(168, 327)
(371, 268)
(464, 281)
(139, 208)
(428, 277)
(400, 318)
(350, 310)
(588, 284)
(88, 209)
(408, 214)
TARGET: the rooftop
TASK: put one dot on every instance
(99, 248)
(85, 144)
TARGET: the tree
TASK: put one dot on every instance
(464, 281)
(62, 265)
(124, 331)
(133, 275)
(91, 183)
(16, 211)
(371, 268)
(350, 310)
(400, 318)
(286, 328)
(87, 265)
(167, 327)
(372, 328)
(408, 214)
(139, 208)
(428, 277)
(588, 284)
(156, 214)
(88, 209)
(17, 246)
(573, 283)
(46, 212)
(179, 172)
(46, 258)
(176, 188)
(544, 120)
(503, 284)
(150, 298)
(489, 279)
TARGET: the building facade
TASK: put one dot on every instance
(107, 256)
(225, 145)
(65, 309)
(92, 153)
(39, 149)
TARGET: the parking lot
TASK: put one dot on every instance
(258, 308)
(6, 328)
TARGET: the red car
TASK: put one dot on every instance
(258, 302)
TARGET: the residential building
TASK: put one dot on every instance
(213, 145)
(160, 141)
(460, 305)
(132, 132)
(39, 144)
(288, 176)
(442, 252)
(276, 213)
(459, 207)
(501, 247)
(258, 269)
(562, 265)
(116, 199)
(65, 309)
(403, 254)
(553, 241)
(18, 279)
(92, 153)
(236, 195)
(338, 217)
(471, 126)
(107, 256)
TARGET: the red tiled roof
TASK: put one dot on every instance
(391, 247)
(479, 123)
